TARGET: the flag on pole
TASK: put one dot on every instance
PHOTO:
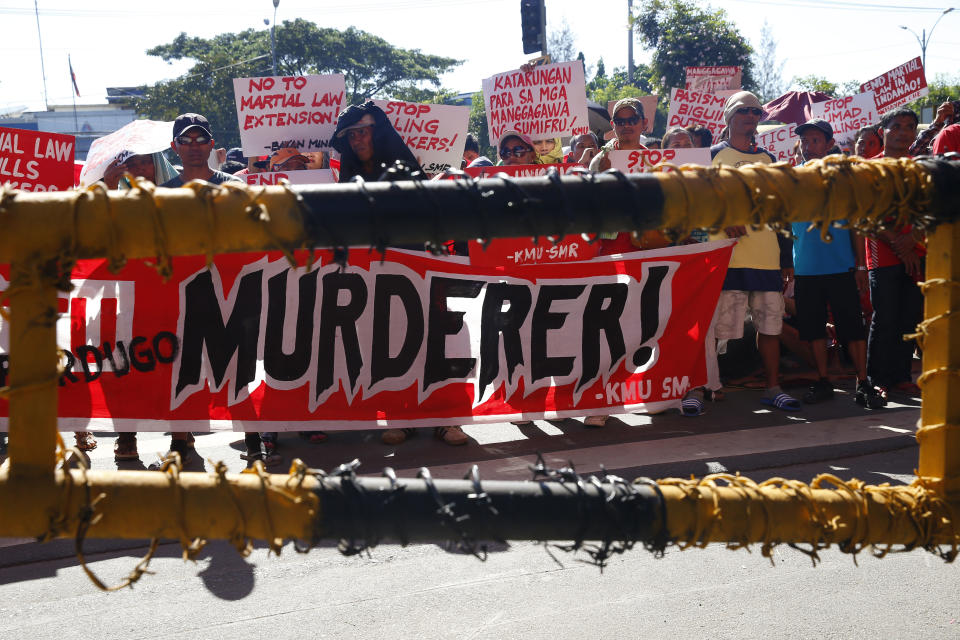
(73, 76)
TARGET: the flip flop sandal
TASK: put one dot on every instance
(782, 401)
(85, 440)
(691, 407)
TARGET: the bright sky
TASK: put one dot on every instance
(850, 40)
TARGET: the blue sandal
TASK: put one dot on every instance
(691, 407)
(782, 401)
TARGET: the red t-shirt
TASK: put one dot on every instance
(947, 140)
(881, 254)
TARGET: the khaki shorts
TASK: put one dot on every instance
(766, 310)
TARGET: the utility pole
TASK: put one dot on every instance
(43, 71)
(924, 40)
(630, 41)
(273, 46)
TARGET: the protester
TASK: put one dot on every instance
(945, 114)
(151, 166)
(368, 144)
(288, 159)
(702, 137)
(761, 262)
(653, 143)
(582, 148)
(677, 138)
(516, 149)
(193, 141)
(471, 153)
(628, 126)
(895, 263)
(949, 137)
(867, 142)
(549, 151)
(830, 274)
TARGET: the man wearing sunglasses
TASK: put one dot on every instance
(628, 124)
(193, 142)
(762, 261)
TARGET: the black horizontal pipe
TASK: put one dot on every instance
(373, 510)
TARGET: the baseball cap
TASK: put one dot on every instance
(515, 134)
(816, 123)
(188, 121)
(236, 154)
(631, 103)
(283, 154)
(739, 100)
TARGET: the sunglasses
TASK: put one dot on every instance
(189, 140)
(622, 122)
(516, 151)
(751, 110)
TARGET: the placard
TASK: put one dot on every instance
(434, 133)
(713, 79)
(288, 111)
(548, 101)
(696, 108)
(898, 86)
(139, 137)
(304, 176)
(645, 160)
(847, 115)
(781, 142)
(36, 160)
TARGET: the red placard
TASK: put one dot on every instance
(36, 160)
(412, 340)
(898, 86)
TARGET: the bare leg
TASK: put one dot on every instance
(769, 348)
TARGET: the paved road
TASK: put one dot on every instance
(426, 592)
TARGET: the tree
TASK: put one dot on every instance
(768, 70)
(372, 67)
(562, 44)
(833, 89)
(478, 126)
(603, 89)
(682, 34)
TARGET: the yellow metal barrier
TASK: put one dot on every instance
(44, 233)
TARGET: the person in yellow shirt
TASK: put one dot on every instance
(762, 261)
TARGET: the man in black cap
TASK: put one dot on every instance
(830, 274)
(193, 142)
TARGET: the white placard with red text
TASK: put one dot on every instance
(713, 79)
(898, 86)
(548, 101)
(846, 115)
(696, 108)
(136, 138)
(781, 142)
(434, 133)
(644, 160)
(288, 111)
(305, 176)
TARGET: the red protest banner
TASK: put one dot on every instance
(713, 79)
(898, 86)
(36, 160)
(413, 340)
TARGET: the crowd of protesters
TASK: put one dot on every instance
(855, 291)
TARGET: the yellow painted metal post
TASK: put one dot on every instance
(33, 371)
(939, 433)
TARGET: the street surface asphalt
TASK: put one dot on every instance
(524, 590)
